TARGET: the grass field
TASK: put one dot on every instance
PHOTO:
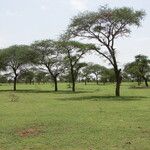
(90, 119)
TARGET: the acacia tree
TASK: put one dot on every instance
(3, 78)
(15, 58)
(73, 51)
(107, 75)
(143, 67)
(2, 65)
(139, 68)
(86, 73)
(96, 69)
(130, 70)
(41, 77)
(27, 76)
(105, 26)
(50, 57)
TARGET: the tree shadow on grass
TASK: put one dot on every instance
(139, 87)
(47, 91)
(104, 98)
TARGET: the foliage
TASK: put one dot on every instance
(138, 69)
(41, 77)
(15, 58)
(73, 52)
(49, 57)
(3, 79)
(107, 75)
(105, 26)
(27, 76)
(2, 65)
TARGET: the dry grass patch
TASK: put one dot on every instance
(32, 131)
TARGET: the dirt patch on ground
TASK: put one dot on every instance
(29, 132)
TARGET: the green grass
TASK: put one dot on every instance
(90, 119)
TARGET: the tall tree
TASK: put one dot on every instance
(50, 57)
(105, 26)
(15, 58)
(73, 51)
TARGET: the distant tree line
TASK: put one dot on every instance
(60, 60)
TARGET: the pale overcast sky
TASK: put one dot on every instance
(24, 21)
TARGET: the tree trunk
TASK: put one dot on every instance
(30, 82)
(15, 82)
(118, 82)
(139, 81)
(56, 87)
(85, 82)
(73, 86)
(73, 79)
(146, 82)
(117, 88)
(97, 81)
